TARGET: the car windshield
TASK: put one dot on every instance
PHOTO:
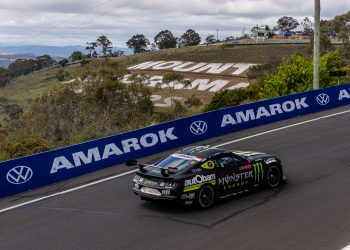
(179, 161)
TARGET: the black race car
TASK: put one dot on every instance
(201, 175)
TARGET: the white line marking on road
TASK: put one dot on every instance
(346, 248)
(68, 191)
(133, 171)
(282, 128)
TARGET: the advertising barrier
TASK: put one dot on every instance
(38, 170)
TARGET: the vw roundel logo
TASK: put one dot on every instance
(199, 127)
(323, 99)
(19, 175)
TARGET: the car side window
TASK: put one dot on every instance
(228, 161)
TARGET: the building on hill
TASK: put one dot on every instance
(261, 32)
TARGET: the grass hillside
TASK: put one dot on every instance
(22, 89)
(225, 54)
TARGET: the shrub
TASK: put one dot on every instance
(23, 143)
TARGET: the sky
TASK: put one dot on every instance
(67, 22)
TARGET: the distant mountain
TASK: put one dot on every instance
(39, 50)
(54, 51)
(9, 54)
(7, 59)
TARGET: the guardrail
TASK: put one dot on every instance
(38, 170)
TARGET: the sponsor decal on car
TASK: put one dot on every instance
(197, 181)
(196, 170)
(258, 172)
(236, 185)
(245, 167)
(235, 178)
(189, 196)
(187, 157)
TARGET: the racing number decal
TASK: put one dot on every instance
(258, 172)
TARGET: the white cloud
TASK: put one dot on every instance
(78, 21)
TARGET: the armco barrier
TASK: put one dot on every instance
(34, 171)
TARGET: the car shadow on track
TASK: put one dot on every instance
(223, 210)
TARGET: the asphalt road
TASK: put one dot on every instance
(310, 211)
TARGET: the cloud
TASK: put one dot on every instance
(68, 22)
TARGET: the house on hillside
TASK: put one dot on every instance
(262, 32)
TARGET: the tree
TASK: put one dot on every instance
(138, 43)
(296, 75)
(171, 83)
(76, 56)
(165, 40)
(61, 75)
(210, 39)
(326, 45)
(102, 106)
(286, 23)
(63, 62)
(105, 44)
(190, 38)
(307, 25)
(91, 47)
(42, 62)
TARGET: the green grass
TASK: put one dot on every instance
(225, 54)
(22, 89)
(32, 86)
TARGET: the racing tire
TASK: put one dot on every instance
(206, 197)
(274, 176)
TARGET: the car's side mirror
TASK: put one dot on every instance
(131, 163)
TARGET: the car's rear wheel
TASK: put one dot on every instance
(206, 197)
(274, 176)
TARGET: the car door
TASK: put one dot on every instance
(235, 174)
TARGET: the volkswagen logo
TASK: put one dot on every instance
(199, 128)
(19, 175)
(323, 99)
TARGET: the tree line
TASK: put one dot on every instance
(164, 40)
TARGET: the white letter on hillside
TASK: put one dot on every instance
(181, 68)
(145, 65)
(167, 65)
(204, 85)
(242, 67)
(215, 68)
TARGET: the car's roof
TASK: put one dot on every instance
(201, 151)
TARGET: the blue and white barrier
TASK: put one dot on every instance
(38, 170)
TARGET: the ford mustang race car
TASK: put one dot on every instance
(202, 175)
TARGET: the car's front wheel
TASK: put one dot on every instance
(274, 176)
(206, 197)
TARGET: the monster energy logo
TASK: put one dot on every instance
(258, 172)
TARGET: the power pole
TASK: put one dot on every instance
(217, 34)
(317, 35)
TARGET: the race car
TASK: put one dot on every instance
(202, 175)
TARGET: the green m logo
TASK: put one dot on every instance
(258, 172)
